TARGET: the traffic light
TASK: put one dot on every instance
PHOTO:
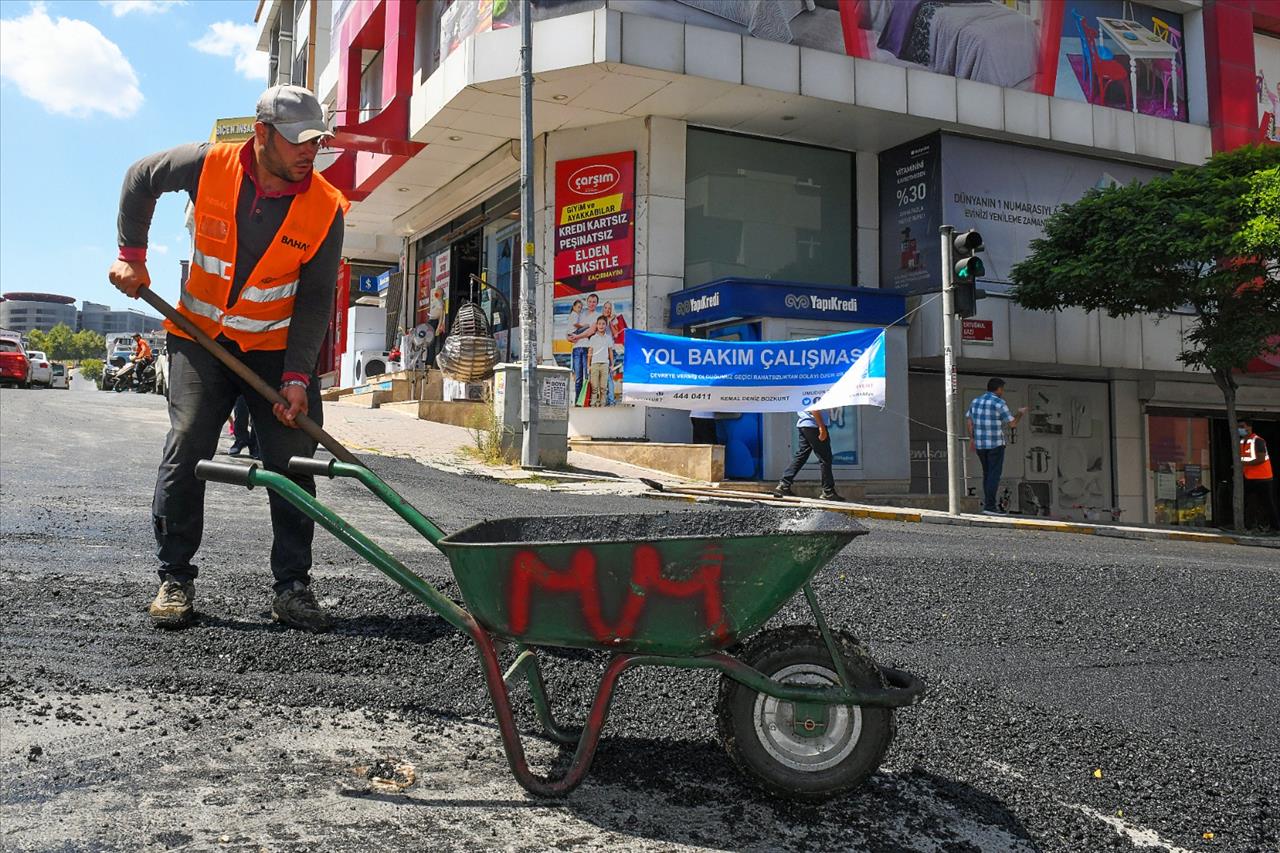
(968, 269)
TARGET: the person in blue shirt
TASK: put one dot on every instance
(814, 438)
(985, 419)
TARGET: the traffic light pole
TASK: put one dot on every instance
(954, 449)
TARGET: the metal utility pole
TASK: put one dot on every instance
(954, 450)
(528, 278)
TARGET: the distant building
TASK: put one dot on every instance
(27, 312)
(103, 320)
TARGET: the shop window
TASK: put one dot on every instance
(758, 208)
(1179, 466)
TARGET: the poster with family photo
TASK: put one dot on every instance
(589, 331)
(1045, 413)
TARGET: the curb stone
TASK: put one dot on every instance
(891, 514)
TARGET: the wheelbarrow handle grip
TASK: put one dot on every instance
(312, 466)
(226, 472)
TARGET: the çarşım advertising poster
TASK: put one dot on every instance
(594, 263)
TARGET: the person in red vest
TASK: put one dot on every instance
(267, 243)
(1259, 482)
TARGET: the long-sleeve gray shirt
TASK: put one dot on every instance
(258, 218)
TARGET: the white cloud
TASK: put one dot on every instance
(67, 65)
(120, 8)
(227, 38)
(157, 248)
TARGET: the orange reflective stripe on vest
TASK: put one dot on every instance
(259, 319)
(1251, 449)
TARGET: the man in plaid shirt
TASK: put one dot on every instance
(986, 418)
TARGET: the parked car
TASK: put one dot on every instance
(15, 367)
(61, 376)
(41, 371)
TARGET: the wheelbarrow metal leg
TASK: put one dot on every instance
(586, 749)
(837, 659)
(527, 661)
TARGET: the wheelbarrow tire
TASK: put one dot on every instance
(753, 726)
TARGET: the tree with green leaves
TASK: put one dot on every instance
(58, 343)
(36, 340)
(1205, 238)
(87, 343)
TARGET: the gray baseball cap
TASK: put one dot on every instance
(294, 112)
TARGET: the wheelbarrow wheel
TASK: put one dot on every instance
(804, 752)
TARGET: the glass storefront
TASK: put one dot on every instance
(758, 208)
(446, 265)
(1179, 471)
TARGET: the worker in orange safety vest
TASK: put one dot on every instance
(268, 232)
(1259, 482)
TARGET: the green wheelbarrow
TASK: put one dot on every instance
(803, 710)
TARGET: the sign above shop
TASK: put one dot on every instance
(1004, 191)
(368, 284)
(727, 298)
(977, 331)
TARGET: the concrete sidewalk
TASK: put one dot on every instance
(449, 448)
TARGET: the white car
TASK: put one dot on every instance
(61, 376)
(41, 371)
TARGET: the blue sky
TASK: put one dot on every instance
(87, 88)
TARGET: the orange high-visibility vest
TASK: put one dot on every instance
(1249, 447)
(259, 320)
(143, 349)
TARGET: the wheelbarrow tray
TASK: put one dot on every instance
(685, 583)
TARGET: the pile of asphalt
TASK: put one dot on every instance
(1070, 679)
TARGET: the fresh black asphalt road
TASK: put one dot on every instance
(1085, 693)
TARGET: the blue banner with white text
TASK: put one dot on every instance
(668, 371)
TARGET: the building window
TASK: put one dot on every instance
(757, 208)
(371, 85)
(300, 66)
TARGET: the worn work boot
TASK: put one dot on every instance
(783, 491)
(832, 496)
(173, 606)
(297, 608)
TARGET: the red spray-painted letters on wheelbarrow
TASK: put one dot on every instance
(528, 571)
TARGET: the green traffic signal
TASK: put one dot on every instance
(970, 269)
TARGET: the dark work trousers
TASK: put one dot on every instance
(992, 460)
(810, 443)
(704, 430)
(202, 392)
(242, 425)
(1261, 494)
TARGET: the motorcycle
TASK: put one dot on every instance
(130, 377)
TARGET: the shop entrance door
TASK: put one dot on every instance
(466, 263)
(1224, 443)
